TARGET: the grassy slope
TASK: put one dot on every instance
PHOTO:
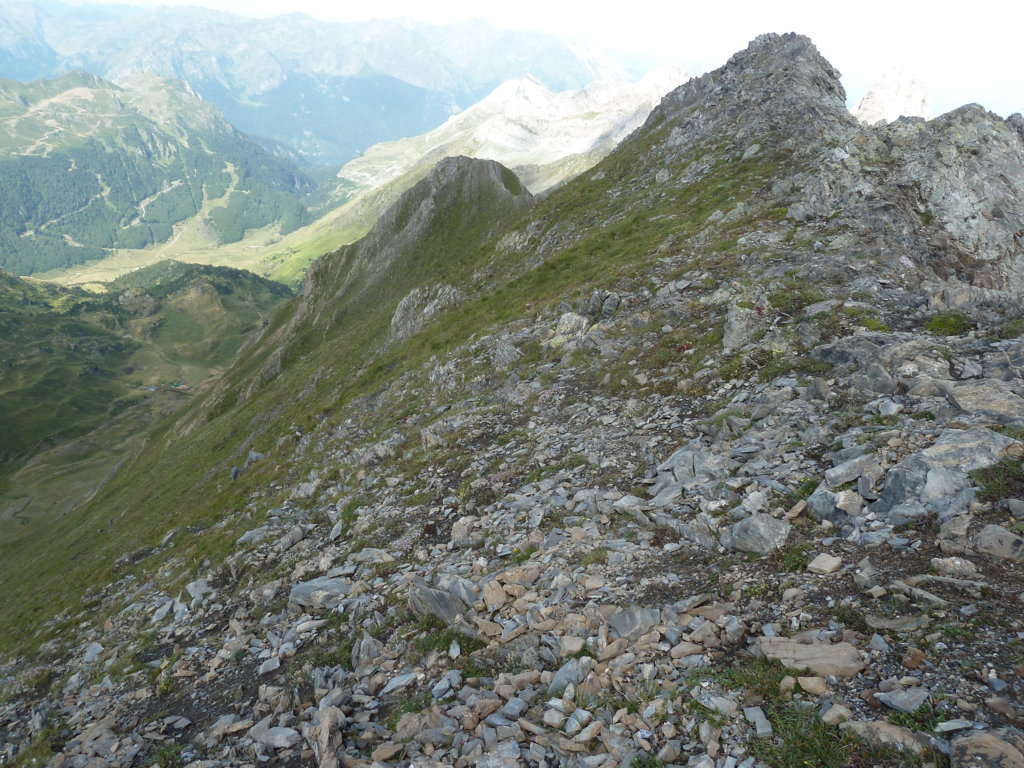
(82, 377)
(60, 375)
(598, 230)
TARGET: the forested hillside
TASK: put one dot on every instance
(88, 166)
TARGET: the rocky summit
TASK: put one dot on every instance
(711, 457)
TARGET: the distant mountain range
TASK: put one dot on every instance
(544, 137)
(325, 90)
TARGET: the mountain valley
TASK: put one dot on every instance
(710, 455)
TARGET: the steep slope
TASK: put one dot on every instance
(545, 138)
(708, 452)
(89, 166)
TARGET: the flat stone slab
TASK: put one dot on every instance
(879, 733)
(760, 533)
(841, 659)
(988, 397)
(319, 592)
(906, 701)
(825, 563)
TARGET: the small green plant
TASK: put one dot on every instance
(646, 761)
(440, 641)
(597, 556)
(948, 324)
(803, 740)
(801, 491)
(39, 751)
(1004, 480)
(1014, 329)
(520, 556)
(924, 718)
(576, 460)
(795, 558)
(760, 677)
(167, 756)
(851, 618)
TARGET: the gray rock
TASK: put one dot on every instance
(759, 533)
(420, 306)
(280, 738)
(997, 541)
(981, 750)
(319, 592)
(755, 716)
(399, 682)
(909, 700)
(199, 589)
(987, 397)
(848, 471)
(365, 650)
(270, 665)
(935, 480)
(634, 622)
(426, 601)
(570, 673)
(92, 653)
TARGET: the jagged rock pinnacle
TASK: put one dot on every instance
(778, 84)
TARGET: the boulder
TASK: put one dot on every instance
(426, 601)
(997, 541)
(321, 592)
(759, 533)
(985, 750)
(879, 733)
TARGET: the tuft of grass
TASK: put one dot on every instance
(646, 761)
(948, 324)
(167, 756)
(1014, 329)
(803, 740)
(851, 618)
(597, 556)
(520, 556)
(923, 719)
(1004, 480)
(795, 558)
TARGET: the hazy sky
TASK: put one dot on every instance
(967, 52)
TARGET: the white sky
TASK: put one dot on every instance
(962, 52)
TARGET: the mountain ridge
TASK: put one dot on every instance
(719, 443)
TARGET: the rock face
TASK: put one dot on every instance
(419, 307)
(591, 528)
